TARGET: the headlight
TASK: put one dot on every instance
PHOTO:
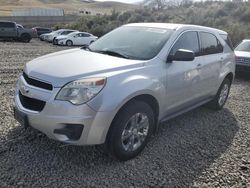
(81, 91)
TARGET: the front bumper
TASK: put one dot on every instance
(241, 67)
(61, 42)
(61, 120)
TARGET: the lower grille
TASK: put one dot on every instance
(31, 104)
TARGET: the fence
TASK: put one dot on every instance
(44, 21)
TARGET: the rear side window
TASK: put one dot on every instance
(210, 44)
(188, 41)
(7, 25)
(86, 35)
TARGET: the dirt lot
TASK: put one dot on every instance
(201, 148)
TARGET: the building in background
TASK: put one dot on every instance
(38, 12)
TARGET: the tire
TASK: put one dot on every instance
(54, 40)
(25, 38)
(69, 43)
(124, 130)
(221, 97)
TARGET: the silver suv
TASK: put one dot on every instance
(117, 90)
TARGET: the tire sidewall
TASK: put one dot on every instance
(118, 125)
(67, 43)
(228, 82)
(25, 38)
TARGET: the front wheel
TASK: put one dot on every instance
(221, 97)
(131, 130)
(69, 43)
(25, 38)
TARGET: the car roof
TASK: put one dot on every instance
(6, 21)
(176, 26)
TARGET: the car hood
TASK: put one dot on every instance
(242, 54)
(62, 67)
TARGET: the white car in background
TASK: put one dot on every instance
(76, 38)
(52, 36)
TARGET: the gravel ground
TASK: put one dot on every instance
(201, 148)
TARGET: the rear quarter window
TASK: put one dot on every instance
(227, 39)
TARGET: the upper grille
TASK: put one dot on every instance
(31, 104)
(37, 83)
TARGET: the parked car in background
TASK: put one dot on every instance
(20, 26)
(76, 39)
(117, 90)
(242, 52)
(42, 30)
(52, 36)
(11, 30)
(43, 36)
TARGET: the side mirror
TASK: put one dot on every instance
(182, 55)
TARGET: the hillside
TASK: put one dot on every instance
(70, 6)
(232, 17)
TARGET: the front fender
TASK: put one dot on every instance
(120, 89)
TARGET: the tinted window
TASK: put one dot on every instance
(210, 44)
(66, 32)
(85, 35)
(7, 24)
(187, 41)
(42, 29)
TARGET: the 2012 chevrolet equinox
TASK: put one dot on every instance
(118, 89)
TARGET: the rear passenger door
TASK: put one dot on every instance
(212, 57)
(85, 39)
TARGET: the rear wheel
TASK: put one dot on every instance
(131, 130)
(25, 38)
(221, 97)
(69, 43)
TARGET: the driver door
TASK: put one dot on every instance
(183, 77)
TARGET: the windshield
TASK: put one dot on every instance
(243, 46)
(132, 42)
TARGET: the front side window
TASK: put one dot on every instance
(210, 44)
(133, 42)
(188, 41)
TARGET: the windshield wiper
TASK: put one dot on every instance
(113, 53)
